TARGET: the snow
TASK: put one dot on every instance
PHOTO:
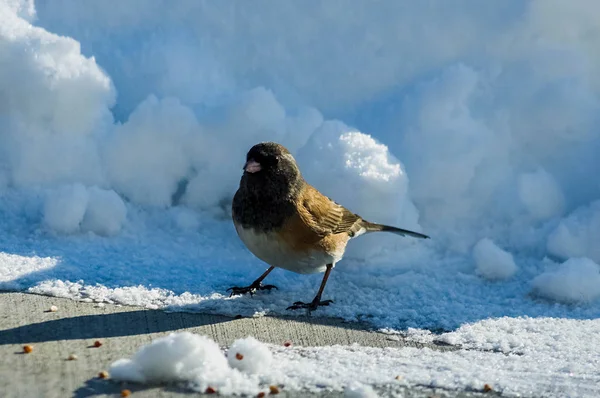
(65, 207)
(359, 391)
(504, 353)
(105, 213)
(577, 235)
(492, 262)
(181, 357)
(249, 355)
(123, 130)
(541, 194)
(577, 280)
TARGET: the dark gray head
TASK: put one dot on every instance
(270, 168)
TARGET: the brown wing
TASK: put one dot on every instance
(325, 217)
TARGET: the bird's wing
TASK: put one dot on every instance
(325, 217)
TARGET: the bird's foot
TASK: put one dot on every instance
(313, 305)
(236, 290)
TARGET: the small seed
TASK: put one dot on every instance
(28, 348)
(72, 357)
(274, 390)
(103, 374)
(399, 377)
(210, 390)
(125, 393)
(53, 308)
(487, 388)
(287, 343)
(239, 356)
(261, 394)
(97, 343)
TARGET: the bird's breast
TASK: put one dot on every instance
(272, 248)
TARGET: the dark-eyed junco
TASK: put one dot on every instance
(289, 224)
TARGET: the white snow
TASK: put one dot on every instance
(123, 130)
(577, 280)
(541, 194)
(182, 357)
(105, 212)
(358, 390)
(176, 357)
(65, 208)
(578, 234)
(14, 266)
(492, 262)
(249, 355)
(504, 353)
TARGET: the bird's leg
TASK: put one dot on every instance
(317, 300)
(256, 285)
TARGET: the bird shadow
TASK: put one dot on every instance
(132, 322)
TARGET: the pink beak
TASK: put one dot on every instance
(252, 166)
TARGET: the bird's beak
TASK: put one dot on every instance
(252, 166)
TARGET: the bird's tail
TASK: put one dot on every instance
(372, 227)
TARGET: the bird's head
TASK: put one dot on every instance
(270, 163)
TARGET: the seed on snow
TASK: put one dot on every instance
(28, 348)
(97, 343)
(210, 390)
(103, 374)
(53, 308)
(72, 357)
(274, 390)
(287, 343)
(239, 356)
(125, 393)
(487, 388)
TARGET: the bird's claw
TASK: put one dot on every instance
(236, 290)
(313, 305)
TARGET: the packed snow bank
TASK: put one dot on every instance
(504, 353)
(475, 137)
(492, 262)
(575, 281)
(57, 101)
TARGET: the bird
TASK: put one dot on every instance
(289, 224)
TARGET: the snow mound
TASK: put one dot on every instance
(492, 262)
(541, 194)
(105, 213)
(358, 390)
(65, 208)
(358, 172)
(147, 156)
(577, 280)
(177, 357)
(74, 208)
(249, 355)
(578, 234)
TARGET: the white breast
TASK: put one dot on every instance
(272, 250)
